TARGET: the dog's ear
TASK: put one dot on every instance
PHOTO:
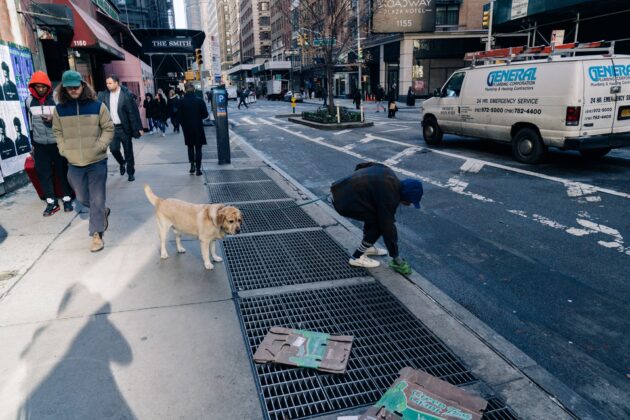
(220, 218)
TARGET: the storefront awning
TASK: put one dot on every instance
(91, 35)
(120, 31)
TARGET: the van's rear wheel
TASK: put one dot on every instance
(595, 153)
(527, 146)
(432, 132)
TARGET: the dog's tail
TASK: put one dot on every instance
(153, 199)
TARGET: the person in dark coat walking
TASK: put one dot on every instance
(161, 112)
(372, 195)
(411, 97)
(357, 98)
(391, 104)
(173, 103)
(242, 97)
(149, 110)
(127, 125)
(191, 112)
(380, 94)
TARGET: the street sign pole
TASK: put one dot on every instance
(359, 58)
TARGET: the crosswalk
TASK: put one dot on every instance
(391, 126)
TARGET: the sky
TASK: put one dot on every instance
(180, 14)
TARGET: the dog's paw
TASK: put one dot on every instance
(208, 265)
(216, 258)
(181, 250)
(164, 255)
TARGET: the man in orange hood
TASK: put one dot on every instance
(40, 106)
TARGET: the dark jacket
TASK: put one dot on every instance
(173, 105)
(127, 111)
(149, 108)
(159, 109)
(372, 195)
(391, 96)
(191, 111)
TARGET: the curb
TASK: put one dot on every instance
(321, 126)
(560, 395)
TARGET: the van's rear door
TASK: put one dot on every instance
(598, 111)
(621, 122)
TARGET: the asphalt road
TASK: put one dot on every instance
(536, 252)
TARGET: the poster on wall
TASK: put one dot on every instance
(16, 67)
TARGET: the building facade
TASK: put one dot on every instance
(139, 14)
(225, 34)
(201, 15)
(255, 21)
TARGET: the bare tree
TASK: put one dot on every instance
(333, 24)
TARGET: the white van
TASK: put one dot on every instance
(572, 103)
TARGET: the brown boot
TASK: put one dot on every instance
(97, 242)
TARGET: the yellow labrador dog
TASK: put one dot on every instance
(208, 222)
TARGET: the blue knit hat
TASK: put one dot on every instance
(411, 191)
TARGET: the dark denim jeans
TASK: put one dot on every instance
(89, 184)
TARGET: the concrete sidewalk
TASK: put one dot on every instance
(123, 334)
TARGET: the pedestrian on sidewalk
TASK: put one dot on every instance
(356, 98)
(391, 103)
(411, 97)
(127, 125)
(149, 111)
(84, 129)
(173, 102)
(39, 109)
(372, 195)
(242, 96)
(380, 94)
(191, 112)
(161, 113)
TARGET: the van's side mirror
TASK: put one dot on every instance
(437, 93)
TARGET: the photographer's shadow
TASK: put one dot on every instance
(81, 385)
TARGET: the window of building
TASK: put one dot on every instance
(264, 6)
(264, 21)
(447, 15)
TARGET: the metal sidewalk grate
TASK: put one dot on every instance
(252, 191)
(496, 410)
(256, 262)
(234, 154)
(276, 215)
(387, 338)
(239, 175)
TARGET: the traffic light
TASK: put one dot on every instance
(485, 19)
(360, 54)
(198, 57)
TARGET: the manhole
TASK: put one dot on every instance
(255, 174)
(256, 262)
(251, 191)
(497, 410)
(275, 215)
(387, 338)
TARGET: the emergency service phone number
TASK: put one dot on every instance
(532, 111)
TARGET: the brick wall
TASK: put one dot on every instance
(470, 13)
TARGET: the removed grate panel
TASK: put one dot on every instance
(257, 262)
(277, 215)
(497, 410)
(377, 356)
(250, 191)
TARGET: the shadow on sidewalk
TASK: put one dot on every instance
(82, 382)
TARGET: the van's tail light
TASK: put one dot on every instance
(573, 115)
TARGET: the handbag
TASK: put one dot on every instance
(393, 107)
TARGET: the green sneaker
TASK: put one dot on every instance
(403, 268)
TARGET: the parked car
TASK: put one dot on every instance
(289, 94)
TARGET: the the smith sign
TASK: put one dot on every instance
(169, 45)
(403, 16)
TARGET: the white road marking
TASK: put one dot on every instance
(587, 228)
(472, 166)
(563, 181)
(394, 129)
(234, 123)
(341, 132)
(246, 120)
(395, 160)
